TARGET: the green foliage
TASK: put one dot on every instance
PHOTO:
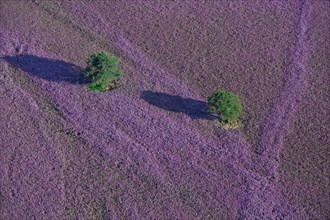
(226, 104)
(102, 69)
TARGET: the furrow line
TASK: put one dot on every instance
(277, 124)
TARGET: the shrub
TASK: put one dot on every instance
(226, 104)
(103, 71)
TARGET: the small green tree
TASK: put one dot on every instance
(103, 71)
(226, 104)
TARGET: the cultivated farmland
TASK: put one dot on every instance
(149, 149)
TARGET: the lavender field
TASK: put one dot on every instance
(149, 149)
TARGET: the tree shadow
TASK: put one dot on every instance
(193, 108)
(48, 69)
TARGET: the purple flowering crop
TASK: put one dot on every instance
(148, 149)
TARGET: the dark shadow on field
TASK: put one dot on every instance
(48, 69)
(193, 108)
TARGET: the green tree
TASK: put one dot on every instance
(103, 71)
(226, 104)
